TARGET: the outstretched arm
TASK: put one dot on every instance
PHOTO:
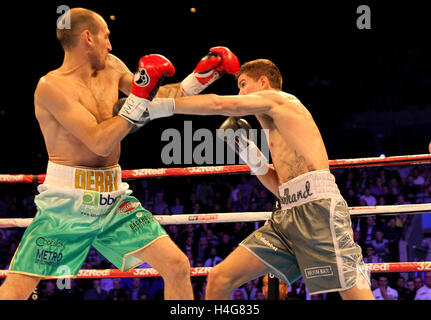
(211, 104)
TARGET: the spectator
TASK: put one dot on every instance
(75, 292)
(424, 293)
(419, 180)
(384, 292)
(400, 286)
(203, 249)
(369, 230)
(418, 282)
(297, 291)
(351, 198)
(411, 289)
(370, 255)
(225, 247)
(238, 295)
(425, 196)
(377, 188)
(394, 186)
(410, 187)
(203, 191)
(245, 186)
(212, 238)
(136, 291)
(380, 245)
(249, 291)
(118, 292)
(214, 259)
(364, 182)
(369, 198)
(96, 293)
(389, 197)
(159, 204)
(393, 234)
(426, 247)
(51, 292)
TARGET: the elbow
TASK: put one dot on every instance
(102, 150)
(223, 107)
(101, 147)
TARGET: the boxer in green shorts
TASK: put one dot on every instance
(83, 203)
(79, 208)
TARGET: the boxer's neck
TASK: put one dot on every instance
(77, 64)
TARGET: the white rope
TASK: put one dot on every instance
(249, 216)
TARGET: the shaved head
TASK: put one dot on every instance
(80, 19)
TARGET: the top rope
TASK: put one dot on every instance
(214, 170)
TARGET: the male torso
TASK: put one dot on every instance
(98, 97)
(294, 140)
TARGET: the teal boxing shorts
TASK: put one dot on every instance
(78, 208)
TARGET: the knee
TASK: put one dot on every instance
(178, 267)
(217, 279)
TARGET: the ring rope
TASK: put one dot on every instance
(248, 216)
(383, 267)
(230, 169)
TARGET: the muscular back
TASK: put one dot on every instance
(294, 139)
(97, 97)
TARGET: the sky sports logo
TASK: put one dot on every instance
(95, 199)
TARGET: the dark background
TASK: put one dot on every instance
(368, 90)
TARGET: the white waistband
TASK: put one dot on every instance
(94, 179)
(307, 187)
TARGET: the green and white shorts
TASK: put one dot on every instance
(79, 208)
(311, 236)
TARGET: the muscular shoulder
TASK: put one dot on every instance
(53, 90)
(282, 100)
(116, 64)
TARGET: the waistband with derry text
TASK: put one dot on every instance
(310, 186)
(92, 179)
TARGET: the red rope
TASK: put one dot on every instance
(203, 271)
(214, 170)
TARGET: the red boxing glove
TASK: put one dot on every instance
(211, 67)
(152, 69)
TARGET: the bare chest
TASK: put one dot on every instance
(99, 97)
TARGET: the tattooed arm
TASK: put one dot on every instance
(170, 91)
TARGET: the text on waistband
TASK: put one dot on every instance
(295, 197)
(100, 181)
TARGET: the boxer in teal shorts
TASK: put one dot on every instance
(82, 202)
(71, 220)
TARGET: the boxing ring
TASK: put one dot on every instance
(203, 218)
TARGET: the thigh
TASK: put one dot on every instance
(18, 285)
(161, 254)
(125, 231)
(241, 266)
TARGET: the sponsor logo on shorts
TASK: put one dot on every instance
(318, 272)
(140, 223)
(95, 199)
(295, 197)
(259, 236)
(49, 251)
(127, 206)
(48, 257)
(41, 242)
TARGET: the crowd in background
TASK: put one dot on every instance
(208, 244)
